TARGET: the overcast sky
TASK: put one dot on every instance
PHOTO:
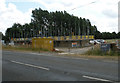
(102, 13)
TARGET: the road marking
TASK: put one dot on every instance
(63, 53)
(111, 61)
(31, 65)
(66, 53)
(35, 53)
(6, 51)
(60, 56)
(69, 57)
(95, 78)
(81, 58)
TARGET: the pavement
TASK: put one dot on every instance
(20, 66)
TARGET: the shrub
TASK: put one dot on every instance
(101, 53)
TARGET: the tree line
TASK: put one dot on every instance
(44, 23)
(59, 23)
(107, 35)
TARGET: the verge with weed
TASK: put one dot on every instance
(23, 48)
(101, 53)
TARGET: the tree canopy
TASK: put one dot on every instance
(59, 23)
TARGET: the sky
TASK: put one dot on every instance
(102, 13)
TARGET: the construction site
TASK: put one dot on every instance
(51, 42)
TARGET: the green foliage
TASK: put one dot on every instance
(44, 23)
(94, 52)
(101, 53)
(1, 35)
(107, 35)
(23, 48)
(59, 23)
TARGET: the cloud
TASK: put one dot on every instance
(102, 13)
(110, 13)
(119, 16)
(10, 15)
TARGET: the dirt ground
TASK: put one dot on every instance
(80, 53)
(70, 52)
(74, 50)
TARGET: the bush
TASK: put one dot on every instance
(101, 53)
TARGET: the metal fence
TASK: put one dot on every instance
(58, 38)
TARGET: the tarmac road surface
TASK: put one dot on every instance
(19, 66)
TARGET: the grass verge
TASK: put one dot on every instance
(101, 53)
(111, 40)
(23, 48)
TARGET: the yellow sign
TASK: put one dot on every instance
(44, 43)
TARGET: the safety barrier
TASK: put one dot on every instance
(59, 38)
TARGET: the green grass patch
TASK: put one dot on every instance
(23, 48)
(111, 40)
(101, 53)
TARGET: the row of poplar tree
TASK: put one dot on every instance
(44, 24)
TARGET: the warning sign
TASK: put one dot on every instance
(74, 44)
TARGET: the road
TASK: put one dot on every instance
(18, 66)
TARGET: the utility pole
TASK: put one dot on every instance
(69, 30)
(75, 28)
(24, 35)
(79, 28)
(61, 28)
(88, 32)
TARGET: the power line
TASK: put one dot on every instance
(82, 6)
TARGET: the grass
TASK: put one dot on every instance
(111, 40)
(98, 57)
(23, 48)
(94, 54)
(100, 53)
(0, 46)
